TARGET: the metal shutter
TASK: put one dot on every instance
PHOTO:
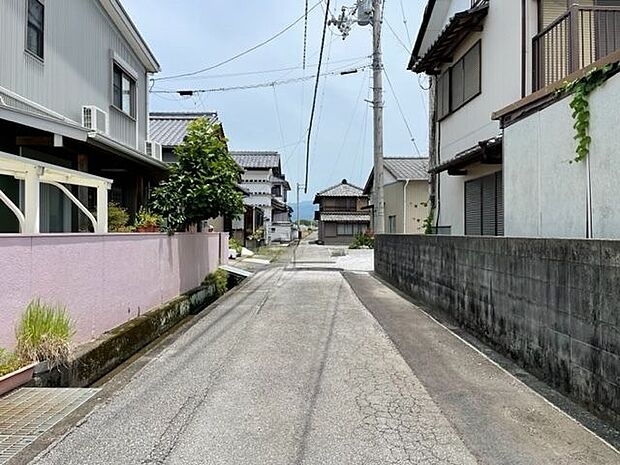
(473, 208)
(499, 183)
(489, 202)
(550, 10)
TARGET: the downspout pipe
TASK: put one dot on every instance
(523, 48)
(405, 206)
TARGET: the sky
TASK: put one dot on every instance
(189, 35)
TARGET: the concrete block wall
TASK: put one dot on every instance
(553, 305)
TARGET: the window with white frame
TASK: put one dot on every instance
(35, 28)
(124, 90)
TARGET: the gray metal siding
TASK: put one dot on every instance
(80, 40)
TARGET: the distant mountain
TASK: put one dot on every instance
(306, 209)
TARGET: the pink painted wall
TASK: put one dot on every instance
(103, 280)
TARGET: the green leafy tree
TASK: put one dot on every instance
(204, 182)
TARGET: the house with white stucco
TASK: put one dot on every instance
(484, 55)
(268, 191)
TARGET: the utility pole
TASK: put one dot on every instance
(299, 187)
(369, 12)
(377, 72)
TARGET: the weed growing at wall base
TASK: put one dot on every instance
(219, 279)
(44, 333)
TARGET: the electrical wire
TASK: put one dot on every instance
(316, 91)
(239, 55)
(268, 71)
(402, 113)
(339, 71)
(396, 36)
(322, 99)
(275, 99)
(365, 80)
(402, 9)
(305, 35)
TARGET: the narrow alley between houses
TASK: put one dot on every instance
(308, 362)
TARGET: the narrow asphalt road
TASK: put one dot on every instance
(292, 368)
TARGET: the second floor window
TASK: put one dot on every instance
(460, 83)
(124, 91)
(34, 33)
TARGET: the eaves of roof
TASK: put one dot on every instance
(428, 13)
(487, 151)
(459, 26)
(128, 29)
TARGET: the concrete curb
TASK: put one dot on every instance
(95, 359)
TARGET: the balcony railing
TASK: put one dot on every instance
(578, 38)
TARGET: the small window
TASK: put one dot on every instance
(443, 95)
(124, 91)
(345, 229)
(471, 73)
(35, 28)
(391, 224)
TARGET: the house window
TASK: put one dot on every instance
(35, 28)
(484, 206)
(443, 95)
(391, 224)
(124, 91)
(460, 83)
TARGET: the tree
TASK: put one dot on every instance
(204, 182)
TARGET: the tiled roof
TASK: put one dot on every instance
(344, 189)
(403, 169)
(345, 218)
(169, 129)
(257, 159)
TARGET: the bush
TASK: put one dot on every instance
(365, 239)
(44, 333)
(9, 362)
(234, 244)
(219, 279)
(118, 218)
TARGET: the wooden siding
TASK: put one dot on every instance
(80, 41)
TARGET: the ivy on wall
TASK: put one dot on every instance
(580, 104)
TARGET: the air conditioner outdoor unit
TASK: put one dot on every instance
(95, 119)
(153, 149)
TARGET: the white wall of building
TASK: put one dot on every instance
(545, 194)
(501, 85)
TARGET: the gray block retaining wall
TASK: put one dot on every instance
(553, 305)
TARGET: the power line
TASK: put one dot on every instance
(275, 99)
(261, 85)
(402, 113)
(396, 36)
(402, 9)
(239, 55)
(269, 71)
(316, 91)
(305, 35)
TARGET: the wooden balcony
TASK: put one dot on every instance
(578, 38)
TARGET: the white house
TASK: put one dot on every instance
(482, 56)
(74, 94)
(406, 194)
(268, 189)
